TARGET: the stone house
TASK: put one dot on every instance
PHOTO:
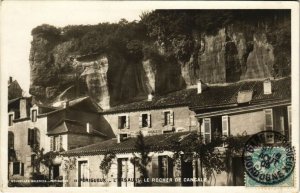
(244, 109)
(154, 115)
(241, 108)
(73, 124)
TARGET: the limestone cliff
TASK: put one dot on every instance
(115, 70)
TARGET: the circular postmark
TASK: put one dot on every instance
(268, 157)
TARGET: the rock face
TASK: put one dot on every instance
(235, 52)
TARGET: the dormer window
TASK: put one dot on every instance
(34, 115)
(267, 87)
(10, 119)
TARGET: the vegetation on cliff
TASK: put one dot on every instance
(180, 46)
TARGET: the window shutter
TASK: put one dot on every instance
(22, 169)
(171, 118)
(149, 120)
(289, 111)
(140, 121)
(34, 136)
(56, 141)
(60, 142)
(155, 167)
(163, 118)
(225, 126)
(268, 119)
(11, 140)
(127, 121)
(37, 135)
(281, 126)
(51, 143)
(170, 167)
(201, 125)
(164, 166)
(119, 122)
(269, 124)
(207, 130)
(29, 137)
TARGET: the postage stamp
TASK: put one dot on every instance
(269, 159)
(269, 163)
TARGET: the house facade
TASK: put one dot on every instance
(34, 128)
(153, 116)
(237, 109)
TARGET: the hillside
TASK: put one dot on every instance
(166, 50)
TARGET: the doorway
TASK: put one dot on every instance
(122, 172)
(186, 172)
(55, 172)
(83, 174)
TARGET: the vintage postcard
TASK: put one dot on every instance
(149, 96)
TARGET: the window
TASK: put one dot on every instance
(123, 122)
(145, 120)
(168, 118)
(33, 137)
(165, 167)
(11, 139)
(56, 143)
(34, 115)
(18, 168)
(10, 119)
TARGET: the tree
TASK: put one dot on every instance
(141, 159)
(214, 156)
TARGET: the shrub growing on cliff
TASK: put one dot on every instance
(46, 31)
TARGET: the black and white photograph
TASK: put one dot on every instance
(109, 94)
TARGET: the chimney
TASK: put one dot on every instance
(267, 86)
(10, 80)
(150, 97)
(89, 127)
(24, 109)
(118, 138)
(65, 104)
(199, 86)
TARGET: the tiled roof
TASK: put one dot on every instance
(156, 142)
(71, 126)
(213, 95)
(83, 103)
(68, 126)
(225, 95)
(179, 98)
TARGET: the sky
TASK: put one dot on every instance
(19, 18)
